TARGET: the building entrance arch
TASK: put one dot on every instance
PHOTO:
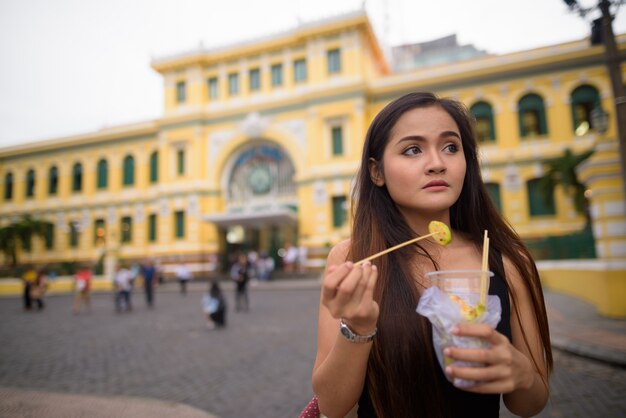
(260, 202)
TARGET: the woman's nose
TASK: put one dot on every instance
(435, 163)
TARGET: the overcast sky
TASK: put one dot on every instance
(74, 66)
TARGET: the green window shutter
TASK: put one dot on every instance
(485, 128)
(180, 162)
(127, 229)
(277, 75)
(584, 99)
(30, 183)
(532, 116)
(340, 212)
(494, 193)
(152, 227)
(154, 167)
(77, 177)
(255, 79)
(333, 58)
(179, 219)
(102, 179)
(48, 236)
(73, 235)
(181, 91)
(213, 93)
(99, 231)
(53, 181)
(128, 177)
(8, 186)
(337, 137)
(537, 202)
(299, 70)
(233, 84)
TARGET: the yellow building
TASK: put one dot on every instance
(259, 142)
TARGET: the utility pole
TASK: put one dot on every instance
(613, 65)
(602, 32)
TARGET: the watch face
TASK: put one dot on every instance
(346, 332)
(259, 179)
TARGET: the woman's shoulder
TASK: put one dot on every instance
(339, 252)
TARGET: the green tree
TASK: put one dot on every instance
(561, 171)
(19, 232)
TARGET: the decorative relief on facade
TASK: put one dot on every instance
(217, 141)
(296, 128)
(254, 125)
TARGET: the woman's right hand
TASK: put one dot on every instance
(348, 293)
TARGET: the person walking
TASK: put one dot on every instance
(149, 273)
(183, 275)
(123, 282)
(240, 273)
(38, 289)
(374, 352)
(82, 289)
(29, 276)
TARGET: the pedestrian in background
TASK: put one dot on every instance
(214, 306)
(38, 289)
(240, 273)
(183, 275)
(123, 282)
(82, 289)
(29, 276)
(149, 273)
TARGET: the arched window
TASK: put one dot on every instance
(77, 177)
(102, 177)
(494, 192)
(30, 183)
(154, 167)
(532, 116)
(53, 180)
(128, 177)
(8, 186)
(540, 202)
(584, 99)
(485, 129)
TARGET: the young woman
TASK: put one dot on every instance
(420, 164)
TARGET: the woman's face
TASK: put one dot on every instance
(423, 164)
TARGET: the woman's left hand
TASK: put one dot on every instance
(506, 368)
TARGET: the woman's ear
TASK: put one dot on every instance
(375, 173)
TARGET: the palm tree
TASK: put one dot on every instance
(561, 171)
(20, 232)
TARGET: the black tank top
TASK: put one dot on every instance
(461, 403)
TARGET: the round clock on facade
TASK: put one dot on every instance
(259, 179)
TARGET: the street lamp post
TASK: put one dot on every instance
(613, 65)
(615, 72)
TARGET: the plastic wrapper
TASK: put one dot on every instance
(444, 314)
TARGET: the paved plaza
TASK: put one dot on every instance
(259, 366)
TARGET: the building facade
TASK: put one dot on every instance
(259, 143)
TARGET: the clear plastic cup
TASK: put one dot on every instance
(464, 287)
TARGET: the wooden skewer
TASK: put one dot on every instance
(388, 250)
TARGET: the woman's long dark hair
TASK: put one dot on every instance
(402, 368)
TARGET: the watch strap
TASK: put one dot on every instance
(352, 336)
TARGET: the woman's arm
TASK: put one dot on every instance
(340, 365)
(531, 398)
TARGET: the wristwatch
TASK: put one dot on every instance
(351, 336)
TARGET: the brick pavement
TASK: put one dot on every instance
(258, 367)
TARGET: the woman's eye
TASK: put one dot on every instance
(452, 148)
(412, 151)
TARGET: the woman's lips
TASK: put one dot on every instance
(436, 185)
